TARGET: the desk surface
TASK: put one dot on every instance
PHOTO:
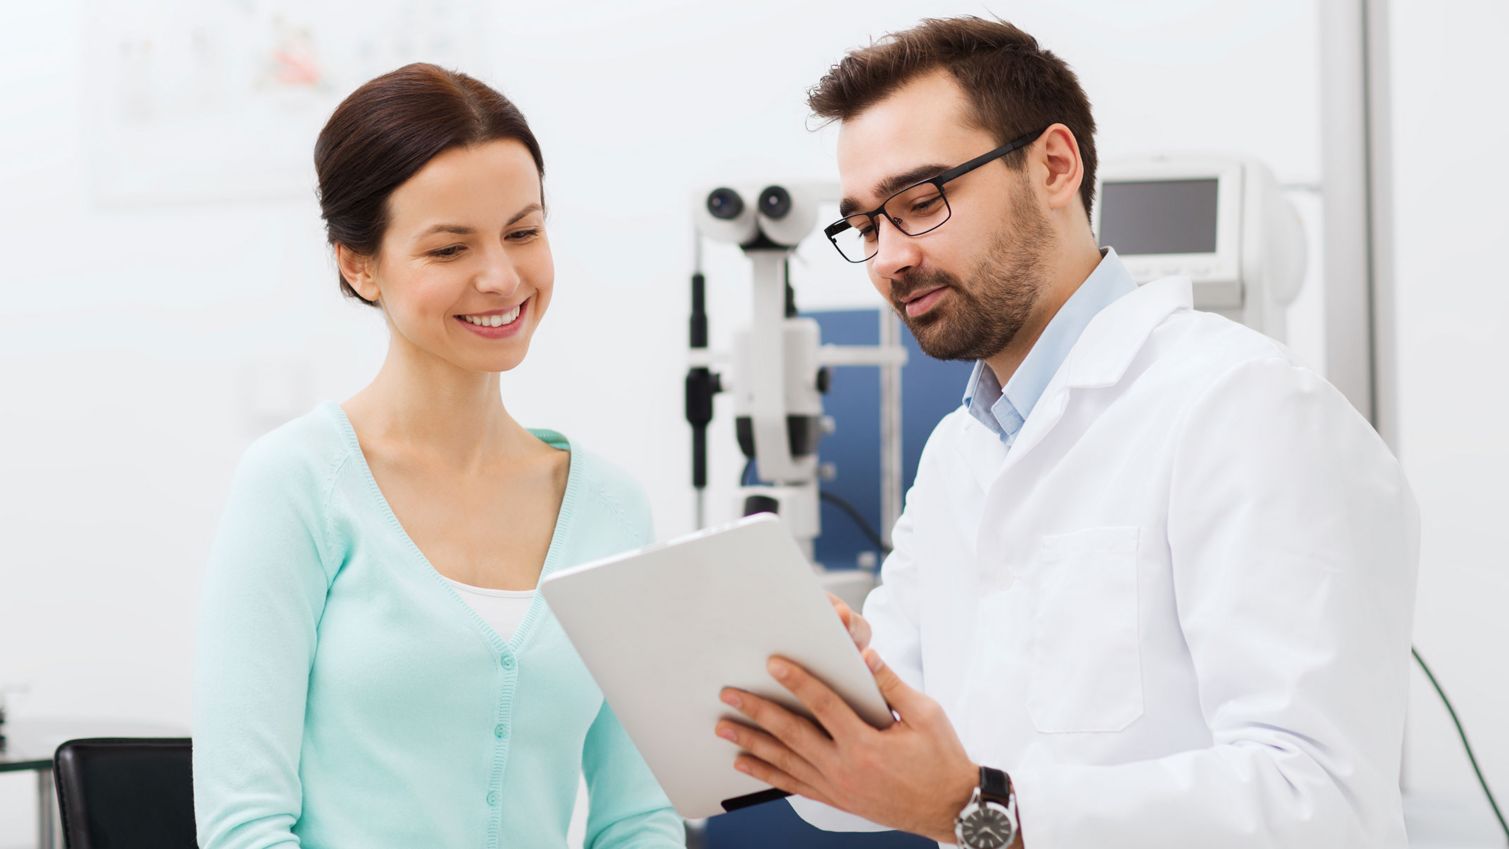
(29, 744)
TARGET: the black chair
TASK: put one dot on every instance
(126, 793)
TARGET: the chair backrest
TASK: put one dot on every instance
(125, 793)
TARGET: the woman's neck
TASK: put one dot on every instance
(421, 404)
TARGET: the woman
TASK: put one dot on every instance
(374, 667)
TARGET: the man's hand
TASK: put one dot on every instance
(859, 629)
(913, 776)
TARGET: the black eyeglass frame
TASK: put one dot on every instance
(833, 230)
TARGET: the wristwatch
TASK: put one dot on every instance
(989, 820)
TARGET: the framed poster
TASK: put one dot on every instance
(202, 100)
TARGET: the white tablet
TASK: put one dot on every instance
(666, 628)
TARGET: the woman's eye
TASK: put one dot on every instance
(524, 235)
(448, 252)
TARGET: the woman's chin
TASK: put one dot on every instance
(498, 362)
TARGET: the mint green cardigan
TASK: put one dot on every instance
(346, 698)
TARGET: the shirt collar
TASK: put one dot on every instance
(1004, 410)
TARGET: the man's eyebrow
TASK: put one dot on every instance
(893, 184)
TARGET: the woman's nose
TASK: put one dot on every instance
(500, 275)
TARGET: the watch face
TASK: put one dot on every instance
(987, 827)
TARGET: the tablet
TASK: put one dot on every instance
(664, 629)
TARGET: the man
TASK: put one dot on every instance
(1157, 591)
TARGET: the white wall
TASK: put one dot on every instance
(141, 348)
(1449, 67)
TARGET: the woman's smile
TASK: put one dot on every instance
(495, 324)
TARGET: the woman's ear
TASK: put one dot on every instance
(357, 270)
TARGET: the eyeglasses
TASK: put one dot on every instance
(917, 209)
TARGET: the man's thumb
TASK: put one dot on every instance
(898, 694)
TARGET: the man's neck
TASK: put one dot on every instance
(1067, 275)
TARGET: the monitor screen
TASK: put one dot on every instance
(1159, 216)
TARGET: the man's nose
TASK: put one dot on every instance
(896, 252)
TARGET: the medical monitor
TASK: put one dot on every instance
(1222, 221)
(1160, 216)
(1176, 216)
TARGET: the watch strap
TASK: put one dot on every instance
(995, 786)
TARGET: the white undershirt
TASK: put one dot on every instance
(501, 609)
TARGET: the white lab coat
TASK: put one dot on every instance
(1178, 610)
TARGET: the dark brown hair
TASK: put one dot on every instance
(1014, 86)
(386, 130)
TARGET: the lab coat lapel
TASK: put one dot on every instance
(980, 451)
(1099, 359)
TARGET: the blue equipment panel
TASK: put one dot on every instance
(930, 390)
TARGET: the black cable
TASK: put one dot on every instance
(864, 526)
(1466, 745)
(848, 508)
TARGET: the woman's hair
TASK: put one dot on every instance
(385, 131)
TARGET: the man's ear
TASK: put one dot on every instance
(357, 270)
(1063, 170)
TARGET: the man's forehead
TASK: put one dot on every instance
(925, 122)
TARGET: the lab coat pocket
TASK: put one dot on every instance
(1086, 664)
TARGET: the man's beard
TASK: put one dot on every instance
(980, 318)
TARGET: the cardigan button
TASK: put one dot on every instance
(492, 798)
(508, 661)
(500, 730)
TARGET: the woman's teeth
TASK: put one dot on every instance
(495, 320)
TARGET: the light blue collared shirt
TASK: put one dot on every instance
(1005, 411)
